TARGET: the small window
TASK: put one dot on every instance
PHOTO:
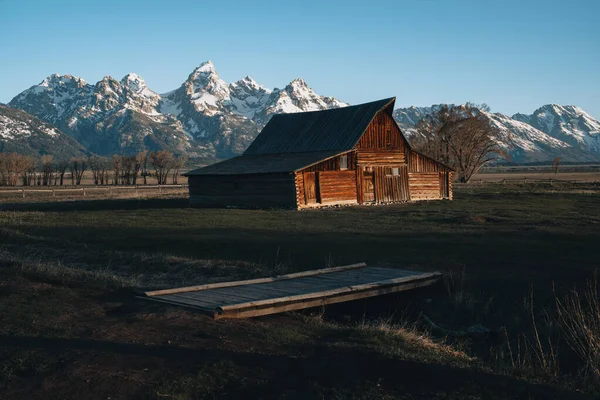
(343, 162)
(391, 171)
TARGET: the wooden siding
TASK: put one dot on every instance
(337, 186)
(379, 157)
(391, 188)
(261, 190)
(382, 134)
(424, 185)
(331, 187)
(420, 163)
(300, 195)
(333, 164)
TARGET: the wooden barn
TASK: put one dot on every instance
(349, 155)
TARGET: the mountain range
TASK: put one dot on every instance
(551, 131)
(23, 133)
(209, 118)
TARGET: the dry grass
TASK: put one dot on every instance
(579, 318)
(499, 240)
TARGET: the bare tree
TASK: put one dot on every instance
(47, 169)
(78, 166)
(28, 175)
(61, 169)
(555, 165)
(128, 166)
(142, 162)
(3, 169)
(96, 168)
(178, 163)
(460, 137)
(104, 168)
(162, 162)
(116, 165)
(137, 166)
(12, 167)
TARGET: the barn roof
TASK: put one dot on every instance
(264, 163)
(315, 131)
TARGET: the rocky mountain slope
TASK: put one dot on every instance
(110, 117)
(570, 124)
(23, 133)
(204, 117)
(525, 139)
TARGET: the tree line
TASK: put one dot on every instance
(116, 170)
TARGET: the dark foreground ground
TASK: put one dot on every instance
(70, 326)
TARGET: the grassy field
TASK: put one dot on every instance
(70, 326)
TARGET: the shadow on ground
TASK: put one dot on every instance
(298, 374)
(96, 205)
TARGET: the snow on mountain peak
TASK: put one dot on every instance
(206, 90)
(134, 82)
(298, 82)
(205, 67)
(57, 80)
(250, 83)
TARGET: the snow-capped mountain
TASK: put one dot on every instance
(23, 133)
(569, 124)
(522, 138)
(110, 117)
(205, 116)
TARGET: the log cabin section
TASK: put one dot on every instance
(349, 155)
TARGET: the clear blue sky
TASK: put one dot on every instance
(514, 55)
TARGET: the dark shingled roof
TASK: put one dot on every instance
(264, 163)
(327, 130)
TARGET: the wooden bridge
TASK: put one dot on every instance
(255, 297)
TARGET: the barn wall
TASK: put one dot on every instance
(333, 164)
(300, 195)
(382, 143)
(391, 188)
(424, 185)
(255, 191)
(382, 134)
(337, 186)
(333, 185)
(419, 163)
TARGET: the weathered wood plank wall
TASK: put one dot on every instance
(383, 134)
(333, 164)
(330, 182)
(424, 185)
(420, 163)
(389, 187)
(337, 186)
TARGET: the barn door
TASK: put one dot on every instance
(368, 185)
(311, 187)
